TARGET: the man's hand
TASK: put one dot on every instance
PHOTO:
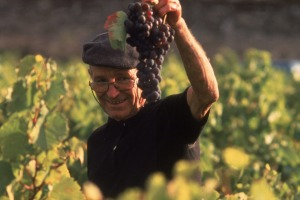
(171, 8)
(204, 91)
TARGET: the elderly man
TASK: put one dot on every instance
(140, 138)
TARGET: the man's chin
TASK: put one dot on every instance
(118, 117)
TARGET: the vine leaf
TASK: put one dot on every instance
(26, 65)
(54, 130)
(18, 102)
(5, 178)
(56, 91)
(12, 135)
(67, 188)
(57, 174)
(261, 190)
(114, 24)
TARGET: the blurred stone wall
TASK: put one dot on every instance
(58, 28)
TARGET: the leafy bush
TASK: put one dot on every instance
(248, 148)
(256, 118)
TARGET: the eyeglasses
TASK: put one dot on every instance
(121, 85)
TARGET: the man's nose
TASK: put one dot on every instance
(112, 91)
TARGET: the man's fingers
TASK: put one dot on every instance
(165, 8)
(151, 1)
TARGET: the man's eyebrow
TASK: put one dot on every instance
(127, 73)
(99, 76)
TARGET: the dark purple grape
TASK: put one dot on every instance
(151, 37)
(137, 6)
(153, 96)
(150, 76)
(155, 70)
(142, 19)
(158, 77)
(141, 66)
(171, 38)
(146, 7)
(160, 59)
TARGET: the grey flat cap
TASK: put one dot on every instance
(99, 52)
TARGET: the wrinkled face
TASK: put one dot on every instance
(118, 104)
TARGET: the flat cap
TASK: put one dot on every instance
(99, 52)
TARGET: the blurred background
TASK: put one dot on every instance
(58, 28)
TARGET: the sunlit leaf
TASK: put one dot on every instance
(66, 189)
(290, 155)
(13, 138)
(57, 174)
(26, 65)
(156, 187)
(238, 196)
(260, 190)
(36, 130)
(180, 188)
(114, 24)
(130, 194)
(6, 175)
(207, 194)
(39, 58)
(92, 192)
(236, 158)
(187, 169)
(54, 130)
(4, 198)
(19, 100)
(56, 91)
(77, 147)
(50, 160)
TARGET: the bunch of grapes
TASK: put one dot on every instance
(151, 37)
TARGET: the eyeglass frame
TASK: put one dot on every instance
(107, 83)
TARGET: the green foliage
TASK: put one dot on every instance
(174, 79)
(64, 189)
(34, 133)
(253, 115)
(248, 148)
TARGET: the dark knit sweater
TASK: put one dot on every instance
(123, 154)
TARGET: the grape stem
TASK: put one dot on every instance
(165, 18)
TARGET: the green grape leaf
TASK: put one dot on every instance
(66, 189)
(207, 193)
(6, 175)
(13, 134)
(77, 147)
(91, 191)
(290, 155)
(26, 65)
(56, 174)
(114, 24)
(56, 91)
(53, 131)
(18, 101)
(261, 190)
(9, 144)
(4, 198)
(156, 187)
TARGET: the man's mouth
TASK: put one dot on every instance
(116, 102)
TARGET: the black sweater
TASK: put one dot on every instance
(123, 154)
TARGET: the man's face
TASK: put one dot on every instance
(119, 105)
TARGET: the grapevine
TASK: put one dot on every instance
(152, 37)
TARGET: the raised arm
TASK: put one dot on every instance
(204, 87)
(204, 90)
